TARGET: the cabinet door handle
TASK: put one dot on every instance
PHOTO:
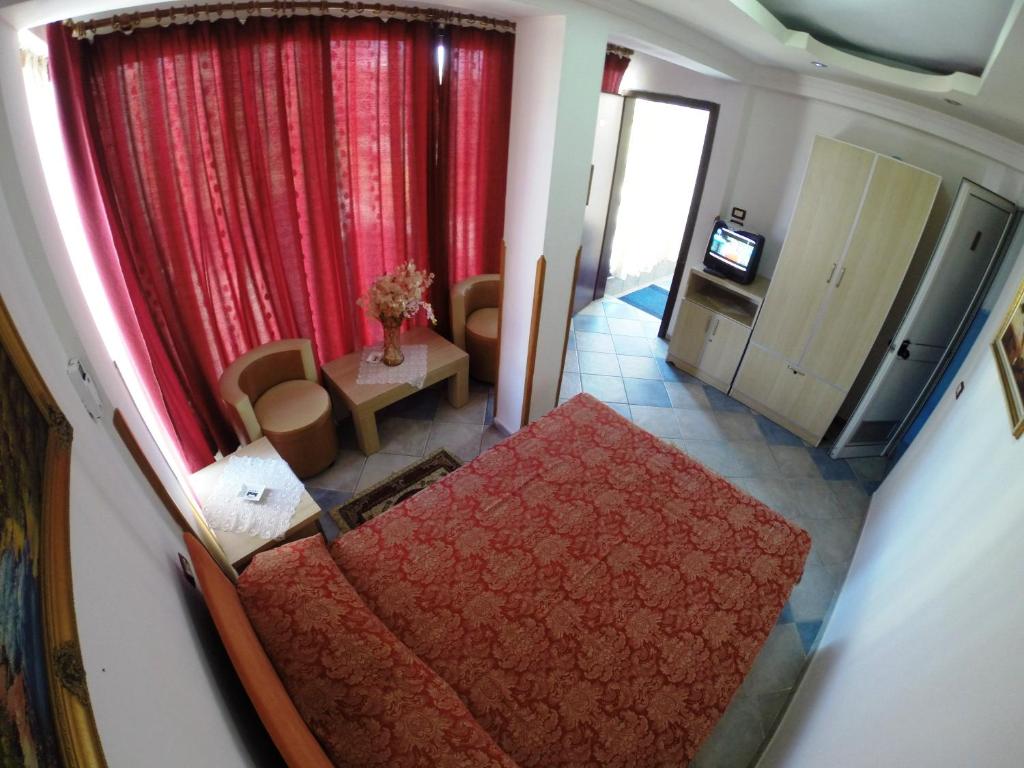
(842, 274)
(832, 273)
(796, 372)
(714, 330)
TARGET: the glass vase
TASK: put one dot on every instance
(392, 351)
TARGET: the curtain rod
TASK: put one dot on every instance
(126, 23)
(618, 50)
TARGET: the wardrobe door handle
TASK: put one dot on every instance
(842, 274)
(714, 330)
(832, 273)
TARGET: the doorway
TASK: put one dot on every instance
(640, 217)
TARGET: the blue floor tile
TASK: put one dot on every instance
(609, 389)
(870, 486)
(670, 373)
(632, 345)
(786, 617)
(774, 434)
(328, 498)
(831, 469)
(572, 341)
(591, 323)
(722, 402)
(622, 409)
(808, 631)
(646, 392)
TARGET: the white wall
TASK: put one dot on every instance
(157, 679)
(921, 663)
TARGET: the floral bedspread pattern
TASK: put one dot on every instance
(364, 695)
(593, 595)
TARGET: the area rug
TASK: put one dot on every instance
(651, 299)
(397, 488)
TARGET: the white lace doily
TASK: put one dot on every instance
(268, 518)
(413, 369)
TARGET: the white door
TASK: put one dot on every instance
(943, 305)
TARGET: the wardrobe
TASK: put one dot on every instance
(856, 226)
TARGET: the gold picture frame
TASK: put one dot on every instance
(1009, 350)
(66, 734)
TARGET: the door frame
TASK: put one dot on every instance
(625, 130)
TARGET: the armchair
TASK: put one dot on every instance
(475, 324)
(273, 390)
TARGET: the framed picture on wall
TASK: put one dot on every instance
(45, 716)
(1009, 349)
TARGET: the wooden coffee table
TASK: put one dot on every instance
(444, 361)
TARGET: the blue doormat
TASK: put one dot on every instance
(651, 300)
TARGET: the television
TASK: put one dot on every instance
(732, 253)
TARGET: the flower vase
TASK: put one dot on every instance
(392, 351)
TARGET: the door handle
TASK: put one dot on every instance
(714, 329)
(903, 353)
(832, 273)
(842, 274)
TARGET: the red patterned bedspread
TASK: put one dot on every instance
(593, 595)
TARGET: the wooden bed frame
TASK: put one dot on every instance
(287, 729)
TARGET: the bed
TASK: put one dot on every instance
(582, 594)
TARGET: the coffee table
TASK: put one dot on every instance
(444, 361)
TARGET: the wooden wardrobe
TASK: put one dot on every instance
(855, 229)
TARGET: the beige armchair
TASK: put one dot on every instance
(274, 391)
(475, 324)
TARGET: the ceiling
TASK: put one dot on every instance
(937, 36)
(926, 52)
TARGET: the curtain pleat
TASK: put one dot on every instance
(615, 67)
(246, 183)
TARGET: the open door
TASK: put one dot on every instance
(965, 259)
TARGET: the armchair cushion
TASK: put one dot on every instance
(291, 406)
(483, 323)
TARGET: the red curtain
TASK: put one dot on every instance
(477, 99)
(615, 67)
(253, 180)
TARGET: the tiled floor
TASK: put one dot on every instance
(615, 355)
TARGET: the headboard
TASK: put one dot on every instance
(289, 731)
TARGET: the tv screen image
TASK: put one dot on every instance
(732, 253)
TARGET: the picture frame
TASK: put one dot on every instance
(49, 715)
(1009, 351)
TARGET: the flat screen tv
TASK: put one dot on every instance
(732, 253)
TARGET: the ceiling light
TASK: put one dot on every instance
(819, 64)
(954, 102)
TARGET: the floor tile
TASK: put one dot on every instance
(572, 361)
(639, 367)
(593, 308)
(722, 402)
(343, 474)
(327, 498)
(491, 437)
(852, 497)
(786, 616)
(716, 455)
(646, 392)
(735, 740)
(831, 469)
(698, 425)
(593, 323)
(473, 412)
(623, 327)
(571, 342)
(607, 388)
(814, 499)
(421, 405)
(872, 469)
(775, 434)
(405, 436)
(754, 459)
(795, 461)
(779, 663)
(668, 371)
(659, 347)
(657, 421)
(462, 440)
(651, 329)
(770, 707)
(379, 466)
(772, 492)
(622, 409)
(687, 395)
(631, 345)
(870, 486)
(620, 309)
(832, 541)
(739, 426)
(812, 596)
(571, 386)
(593, 342)
(808, 631)
(601, 363)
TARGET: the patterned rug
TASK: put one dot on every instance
(651, 299)
(397, 488)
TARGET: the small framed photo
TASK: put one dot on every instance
(1009, 349)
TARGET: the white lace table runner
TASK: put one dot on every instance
(268, 518)
(413, 369)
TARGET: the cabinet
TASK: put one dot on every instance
(857, 223)
(713, 327)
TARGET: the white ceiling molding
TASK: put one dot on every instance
(956, 83)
